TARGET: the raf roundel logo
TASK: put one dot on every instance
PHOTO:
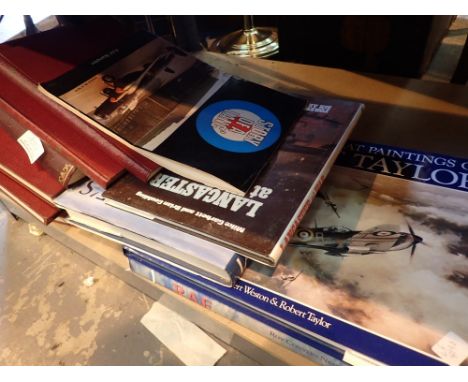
(238, 126)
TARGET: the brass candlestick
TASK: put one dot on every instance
(250, 41)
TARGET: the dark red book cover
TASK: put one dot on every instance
(35, 205)
(48, 176)
(95, 160)
(64, 171)
(48, 54)
(45, 55)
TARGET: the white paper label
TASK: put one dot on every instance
(187, 341)
(451, 349)
(32, 145)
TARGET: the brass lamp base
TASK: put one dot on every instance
(253, 42)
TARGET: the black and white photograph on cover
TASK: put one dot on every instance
(386, 254)
(166, 105)
(143, 93)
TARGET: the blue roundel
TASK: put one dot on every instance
(238, 126)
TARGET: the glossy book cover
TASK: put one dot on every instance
(379, 264)
(384, 251)
(260, 224)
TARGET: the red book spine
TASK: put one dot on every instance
(64, 171)
(43, 56)
(138, 165)
(84, 147)
(101, 159)
(102, 178)
(38, 207)
(40, 178)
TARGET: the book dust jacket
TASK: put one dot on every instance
(385, 248)
(259, 224)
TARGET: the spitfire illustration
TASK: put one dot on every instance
(327, 200)
(342, 241)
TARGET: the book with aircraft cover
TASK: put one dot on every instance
(86, 208)
(178, 111)
(284, 190)
(379, 264)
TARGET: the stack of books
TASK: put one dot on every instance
(248, 201)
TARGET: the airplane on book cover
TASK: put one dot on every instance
(342, 241)
(365, 275)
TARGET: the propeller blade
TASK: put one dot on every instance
(410, 229)
(416, 240)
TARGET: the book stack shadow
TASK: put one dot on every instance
(249, 201)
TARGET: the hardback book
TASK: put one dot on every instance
(51, 125)
(178, 111)
(41, 209)
(170, 278)
(26, 62)
(86, 208)
(260, 224)
(43, 56)
(379, 263)
(41, 169)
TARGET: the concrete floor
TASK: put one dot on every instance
(49, 316)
